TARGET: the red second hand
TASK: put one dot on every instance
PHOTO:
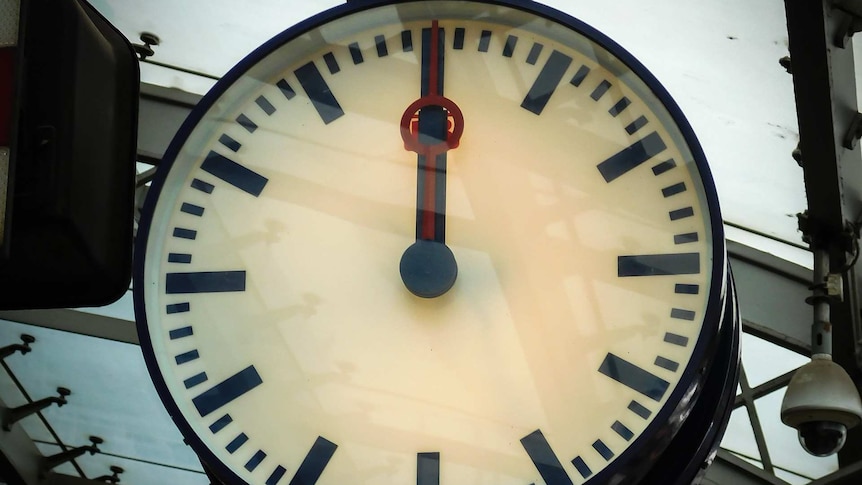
(428, 212)
(426, 149)
(435, 59)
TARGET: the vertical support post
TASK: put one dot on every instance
(821, 326)
(824, 81)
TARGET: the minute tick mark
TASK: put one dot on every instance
(600, 90)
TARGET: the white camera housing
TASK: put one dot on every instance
(822, 403)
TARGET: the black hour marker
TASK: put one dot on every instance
(619, 107)
(265, 105)
(380, 43)
(180, 333)
(603, 450)
(579, 76)
(636, 125)
(179, 258)
(634, 377)
(407, 41)
(535, 51)
(276, 475)
(355, 53)
(235, 174)
(255, 460)
(187, 357)
(631, 157)
(202, 186)
(236, 443)
(544, 459)
(246, 123)
(673, 189)
(331, 63)
(177, 308)
(428, 468)
(509, 47)
(600, 90)
(227, 390)
(204, 282)
(195, 380)
(689, 237)
(666, 363)
(192, 209)
(675, 339)
(229, 143)
(319, 93)
(185, 233)
(286, 89)
(622, 430)
(582, 467)
(639, 409)
(547, 81)
(686, 289)
(681, 314)
(484, 40)
(678, 214)
(315, 461)
(221, 423)
(658, 264)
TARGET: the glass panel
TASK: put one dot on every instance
(135, 471)
(739, 438)
(764, 361)
(112, 396)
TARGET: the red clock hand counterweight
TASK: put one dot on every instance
(428, 267)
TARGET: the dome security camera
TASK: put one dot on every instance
(822, 403)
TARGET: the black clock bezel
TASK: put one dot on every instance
(625, 465)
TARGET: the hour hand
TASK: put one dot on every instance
(428, 267)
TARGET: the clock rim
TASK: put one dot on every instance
(691, 378)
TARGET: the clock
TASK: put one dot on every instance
(441, 242)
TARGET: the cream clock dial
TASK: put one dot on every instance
(432, 242)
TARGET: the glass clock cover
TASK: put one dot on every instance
(448, 242)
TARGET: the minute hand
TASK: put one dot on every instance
(428, 267)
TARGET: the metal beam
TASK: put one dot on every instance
(19, 457)
(60, 479)
(729, 469)
(76, 322)
(772, 294)
(824, 82)
(161, 113)
(848, 475)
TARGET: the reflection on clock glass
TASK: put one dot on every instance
(439, 242)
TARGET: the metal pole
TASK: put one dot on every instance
(821, 327)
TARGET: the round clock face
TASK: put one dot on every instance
(442, 242)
